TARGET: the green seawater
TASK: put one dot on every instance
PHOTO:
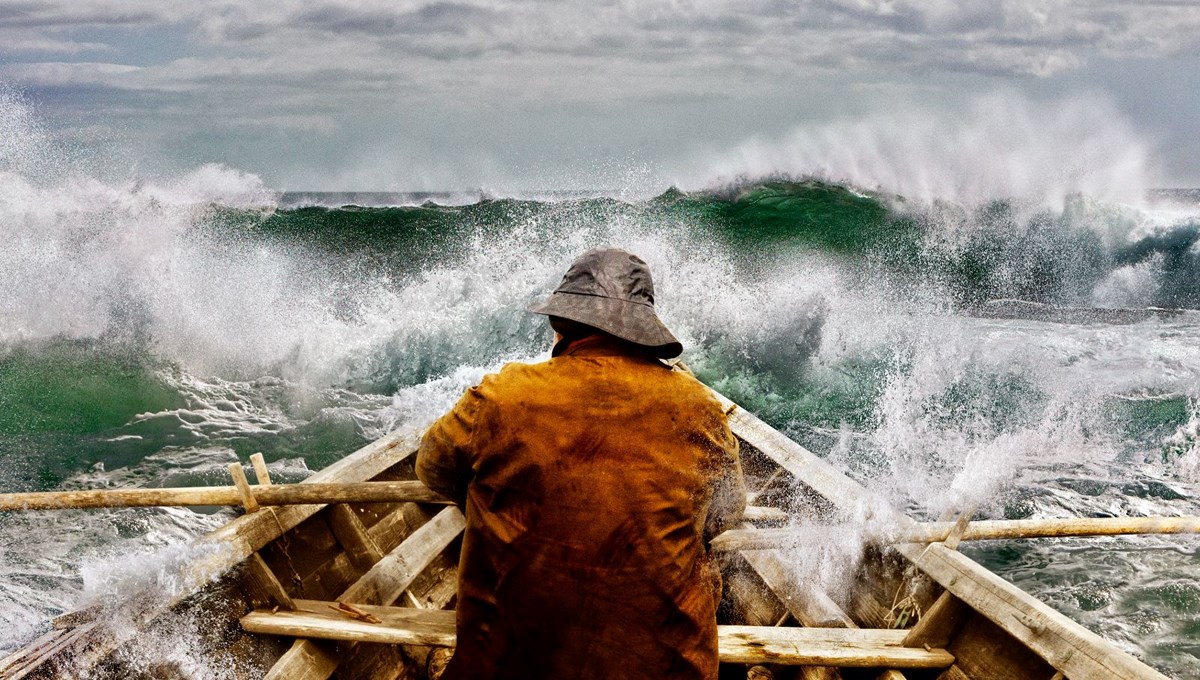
(842, 317)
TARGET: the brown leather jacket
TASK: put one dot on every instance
(590, 484)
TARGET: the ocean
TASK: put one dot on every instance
(153, 332)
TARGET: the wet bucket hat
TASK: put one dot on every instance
(611, 289)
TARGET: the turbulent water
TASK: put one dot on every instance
(152, 332)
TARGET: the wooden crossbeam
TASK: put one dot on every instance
(1066, 645)
(86, 643)
(241, 494)
(843, 647)
(982, 530)
(385, 582)
(760, 513)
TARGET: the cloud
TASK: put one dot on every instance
(326, 66)
(57, 14)
(1006, 37)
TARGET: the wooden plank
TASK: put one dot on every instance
(434, 589)
(305, 660)
(809, 605)
(738, 644)
(1069, 647)
(955, 535)
(386, 580)
(981, 530)
(262, 585)
(760, 513)
(981, 650)
(316, 619)
(390, 531)
(330, 578)
(260, 469)
(249, 533)
(756, 604)
(361, 549)
(249, 502)
(953, 673)
(56, 654)
(748, 598)
(393, 574)
(14, 665)
(222, 550)
(938, 624)
(241, 493)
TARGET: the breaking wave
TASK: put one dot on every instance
(153, 330)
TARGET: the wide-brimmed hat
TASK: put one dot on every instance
(611, 290)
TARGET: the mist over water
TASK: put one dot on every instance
(154, 330)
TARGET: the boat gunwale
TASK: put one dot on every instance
(1047, 632)
(1043, 630)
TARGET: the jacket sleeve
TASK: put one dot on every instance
(447, 451)
(729, 485)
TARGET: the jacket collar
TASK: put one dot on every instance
(597, 346)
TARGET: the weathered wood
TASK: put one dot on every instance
(330, 577)
(393, 574)
(224, 548)
(808, 604)
(264, 588)
(738, 644)
(755, 603)
(891, 675)
(982, 530)
(361, 549)
(760, 513)
(313, 619)
(305, 660)
(385, 581)
(870, 611)
(982, 650)
(1069, 647)
(16, 665)
(938, 623)
(953, 673)
(243, 487)
(434, 589)
(274, 494)
(955, 535)
(260, 469)
(748, 598)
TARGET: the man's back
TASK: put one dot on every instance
(587, 482)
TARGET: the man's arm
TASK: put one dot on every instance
(729, 485)
(444, 458)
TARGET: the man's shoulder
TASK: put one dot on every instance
(514, 375)
(520, 379)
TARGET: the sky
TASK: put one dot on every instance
(532, 94)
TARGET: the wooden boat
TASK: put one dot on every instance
(366, 590)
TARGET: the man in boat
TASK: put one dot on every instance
(591, 484)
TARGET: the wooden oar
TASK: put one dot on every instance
(273, 494)
(936, 532)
